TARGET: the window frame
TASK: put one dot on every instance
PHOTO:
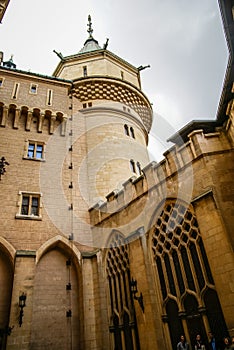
(30, 215)
(31, 87)
(35, 150)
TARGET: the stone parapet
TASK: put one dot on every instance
(166, 177)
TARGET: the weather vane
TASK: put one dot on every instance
(90, 30)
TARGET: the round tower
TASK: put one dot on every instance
(116, 113)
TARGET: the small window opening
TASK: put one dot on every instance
(1, 82)
(132, 166)
(132, 132)
(138, 168)
(90, 104)
(85, 71)
(126, 130)
(15, 91)
(49, 97)
(33, 88)
(84, 105)
(122, 75)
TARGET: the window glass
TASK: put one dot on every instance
(31, 148)
(34, 207)
(25, 205)
(39, 151)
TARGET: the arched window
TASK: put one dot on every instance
(183, 272)
(122, 318)
(132, 132)
(138, 168)
(126, 130)
(132, 166)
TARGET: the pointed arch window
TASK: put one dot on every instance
(122, 315)
(183, 272)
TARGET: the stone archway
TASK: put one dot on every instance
(57, 311)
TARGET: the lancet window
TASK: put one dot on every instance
(122, 316)
(188, 295)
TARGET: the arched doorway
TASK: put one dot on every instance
(6, 282)
(57, 315)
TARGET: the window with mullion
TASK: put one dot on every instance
(35, 150)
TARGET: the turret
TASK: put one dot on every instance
(118, 115)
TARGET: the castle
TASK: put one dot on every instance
(100, 248)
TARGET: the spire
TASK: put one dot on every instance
(90, 44)
(90, 30)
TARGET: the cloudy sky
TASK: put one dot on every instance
(182, 40)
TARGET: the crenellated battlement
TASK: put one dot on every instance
(165, 177)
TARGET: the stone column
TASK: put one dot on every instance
(63, 126)
(4, 116)
(16, 119)
(40, 122)
(52, 122)
(28, 121)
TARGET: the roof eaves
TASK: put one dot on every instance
(35, 75)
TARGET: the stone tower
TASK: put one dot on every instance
(116, 113)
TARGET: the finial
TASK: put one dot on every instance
(90, 30)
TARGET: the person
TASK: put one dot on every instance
(227, 343)
(182, 345)
(213, 344)
(232, 343)
(199, 345)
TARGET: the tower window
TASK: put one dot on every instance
(15, 91)
(138, 168)
(132, 132)
(85, 71)
(122, 75)
(49, 97)
(126, 130)
(132, 166)
(1, 81)
(33, 88)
